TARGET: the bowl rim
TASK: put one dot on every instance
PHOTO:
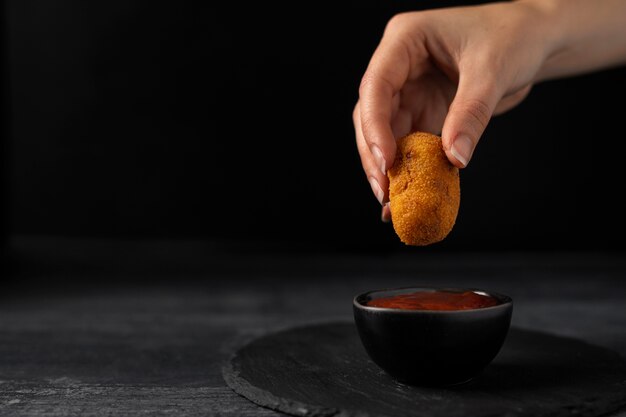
(506, 301)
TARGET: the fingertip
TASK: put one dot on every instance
(453, 155)
(455, 159)
(462, 149)
(459, 147)
(385, 215)
(377, 189)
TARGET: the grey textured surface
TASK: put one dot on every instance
(323, 371)
(98, 336)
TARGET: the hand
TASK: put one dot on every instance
(447, 72)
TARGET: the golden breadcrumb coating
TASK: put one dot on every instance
(424, 190)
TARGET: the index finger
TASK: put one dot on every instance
(386, 73)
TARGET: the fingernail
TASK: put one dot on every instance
(462, 149)
(385, 214)
(380, 159)
(378, 192)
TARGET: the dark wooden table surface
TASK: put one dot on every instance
(100, 328)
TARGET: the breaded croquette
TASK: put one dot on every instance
(424, 190)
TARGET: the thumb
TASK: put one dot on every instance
(468, 115)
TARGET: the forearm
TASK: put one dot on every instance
(583, 35)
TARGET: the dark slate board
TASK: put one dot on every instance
(323, 370)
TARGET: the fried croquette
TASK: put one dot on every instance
(424, 190)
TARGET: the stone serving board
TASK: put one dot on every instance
(323, 370)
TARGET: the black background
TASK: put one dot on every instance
(233, 121)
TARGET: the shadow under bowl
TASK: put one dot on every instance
(432, 347)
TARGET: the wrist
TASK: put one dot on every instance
(546, 20)
(581, 35)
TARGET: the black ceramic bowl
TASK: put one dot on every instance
(431, 347)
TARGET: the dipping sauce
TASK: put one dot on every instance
(435, 300)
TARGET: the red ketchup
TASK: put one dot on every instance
(435, 300)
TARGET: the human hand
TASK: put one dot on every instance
(446, 71)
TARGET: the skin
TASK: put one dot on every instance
(448, 71)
